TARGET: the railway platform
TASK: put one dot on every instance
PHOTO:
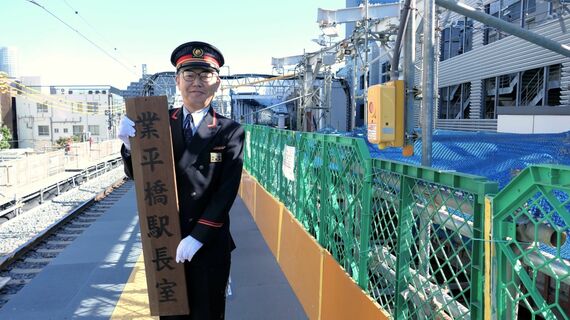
(101, 275)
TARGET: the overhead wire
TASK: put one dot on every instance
(89, 40)
(76, 12)
(80, 34)
(282, 77)
(59, 104)
(17, 85)
(78, 108)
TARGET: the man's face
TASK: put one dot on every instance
(197, 87)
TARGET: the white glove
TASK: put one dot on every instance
(126, 130)
(187, 249)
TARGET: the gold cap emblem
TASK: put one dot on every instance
(197, 53)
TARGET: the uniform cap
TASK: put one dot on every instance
(197, 54)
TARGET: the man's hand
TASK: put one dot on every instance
(126, 130)
(187, 249)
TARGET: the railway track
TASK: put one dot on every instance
(23, 264)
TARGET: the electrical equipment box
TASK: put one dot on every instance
(386, 114)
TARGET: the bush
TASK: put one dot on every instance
(5, 138)
(62, 141)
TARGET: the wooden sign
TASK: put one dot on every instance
(157, 201)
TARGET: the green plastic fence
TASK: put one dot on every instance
(333, 198)
(412, 237)
(427, 249)
(530, 223)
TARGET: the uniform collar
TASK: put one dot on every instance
(197, 116)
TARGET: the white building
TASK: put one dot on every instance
(81, 111)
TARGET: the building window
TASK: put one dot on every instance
(94, 130)
(512, 12)
(385, 76)
(78, 107)
(454, 101)
(491, 34)
(507, 91)
(93, 107)
(43, 130)
(361, 81)
(77, 130)
(532, 87)
(55, 130)
(537, 87)
(42, 107)
(456, 39)
(553, 93)
(489, 109)
(65, 130)
(522, 13)
(537, 11)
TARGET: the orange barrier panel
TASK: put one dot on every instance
(249, 186)
(267, 217)
(301, 261)
(323, 288)
(342, 297)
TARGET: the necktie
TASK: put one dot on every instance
(188, 129)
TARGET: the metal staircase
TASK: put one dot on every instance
(532, 92)
(512, 82)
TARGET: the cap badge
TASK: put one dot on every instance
(197, 52)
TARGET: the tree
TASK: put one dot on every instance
(62, 141)
(5, 138)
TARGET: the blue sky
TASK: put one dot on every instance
(248, 32)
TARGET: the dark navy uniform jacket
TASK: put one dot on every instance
(208, 174)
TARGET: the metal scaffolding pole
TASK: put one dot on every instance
(409, 71)
(428, 81)
(366, 67)
(353, 102)
(307, 101)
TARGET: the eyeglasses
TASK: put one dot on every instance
(191, 75)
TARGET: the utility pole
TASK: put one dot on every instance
(110, 117)
(301, 103)
(328, 93)
(307, 100)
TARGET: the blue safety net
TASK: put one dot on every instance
(497, 156)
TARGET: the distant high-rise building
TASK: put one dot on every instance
(9, 61)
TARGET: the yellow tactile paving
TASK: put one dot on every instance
(133, 303)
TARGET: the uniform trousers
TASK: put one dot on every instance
(206, 287)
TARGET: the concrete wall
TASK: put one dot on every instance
(32, 168)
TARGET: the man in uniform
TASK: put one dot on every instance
(208, 159)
